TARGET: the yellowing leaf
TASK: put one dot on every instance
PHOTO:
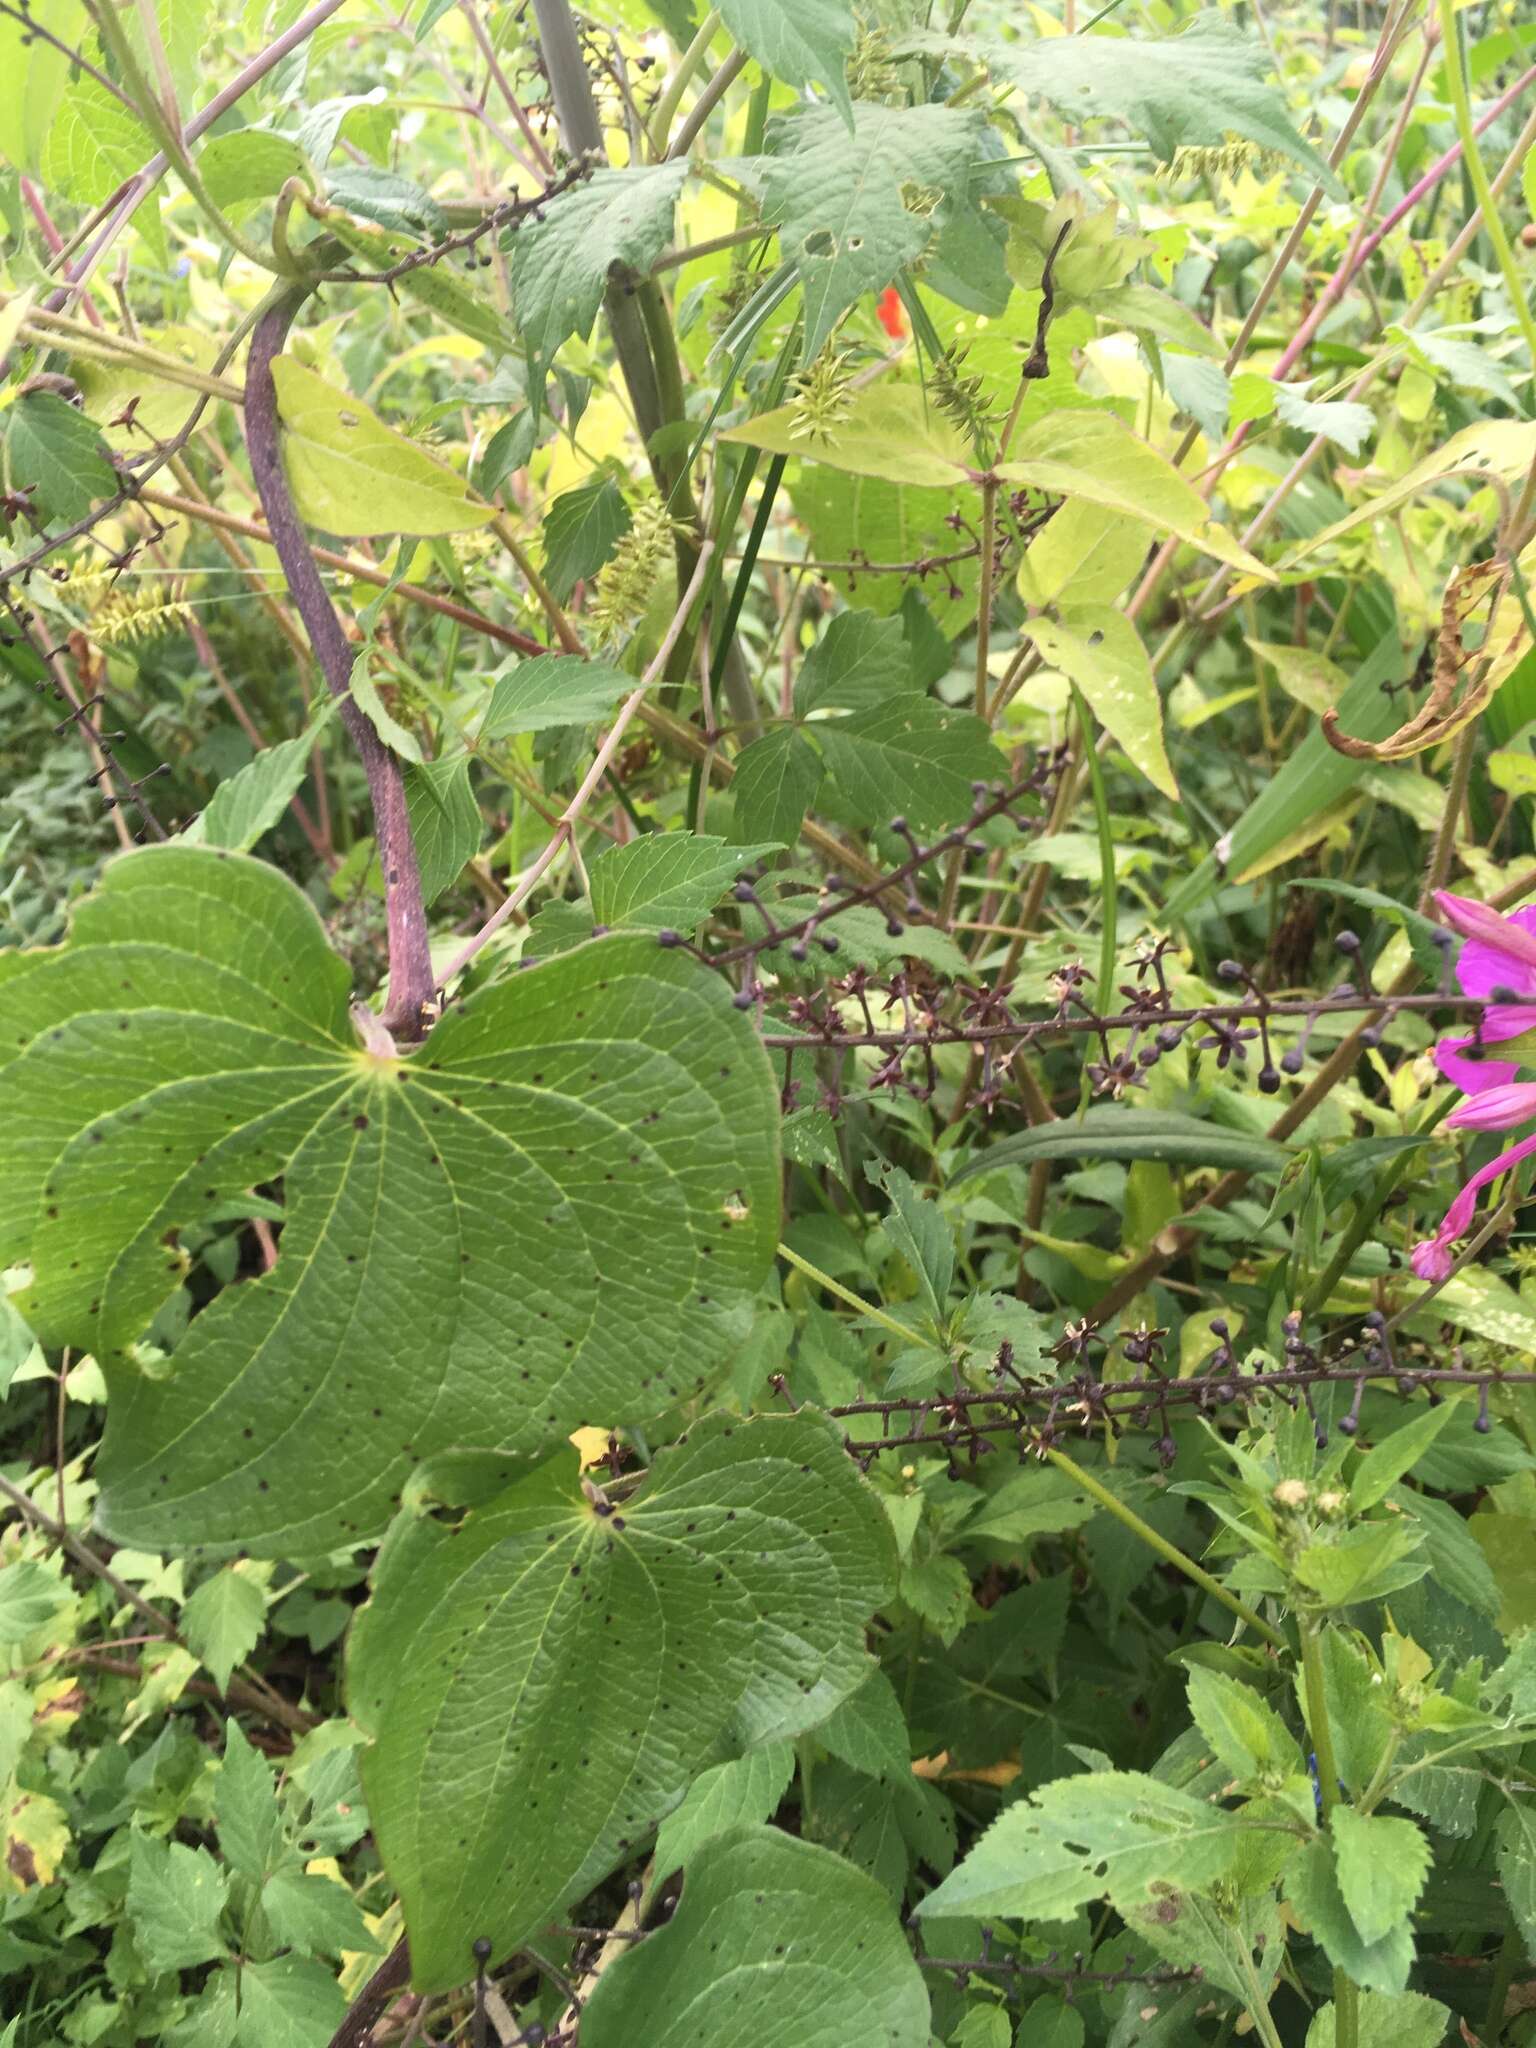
(1504, 448)
(889, 432)
(1312, 679)
(1093, 552)
(1101, 650)
(36, 1836)
(352, 475)
(1082, 454)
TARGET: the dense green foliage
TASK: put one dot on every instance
(769, 906)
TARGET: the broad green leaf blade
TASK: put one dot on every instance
(1101, 650)
(561, 263)
(1241, 1727)
(550, 1214)
(860, 660)
(1515, 1855)
(799, 42)
(223, 1621)
(175, 1897)
(726, 1600)
(1085, 550)
(252, 801)
(248, 165)
(1106, 1131)
(1381, 1862)
(56, 457)
(348, 471)
(551, 690)
(912, 757)
(93, 143)
(1504, 448)
(743, 1793)
(1396, 1454)
(246, 1811)
(1312, 1890)
(445, 820)
(1188, 90)
(581, 530)
(1408, 2020)
(1114, 1834)
(778, 1943)
(666, 880)
(291, 2002)
(775, 784)
(839, 198)
(33, 75)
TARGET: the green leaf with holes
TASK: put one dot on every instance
(849, 204)
(543, 1673)
(550, 1213)
(1101, 650)
(776, 1942)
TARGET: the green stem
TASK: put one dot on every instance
(1511, 1955)
(672, 98)
(1346, 2001)
(1370, 1208)
(846, 1294)
(1108, 891)
(1472, 160)
(1169, 1552)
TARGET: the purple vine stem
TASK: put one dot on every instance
(410, 959)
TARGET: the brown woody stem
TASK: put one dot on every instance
(410, 958)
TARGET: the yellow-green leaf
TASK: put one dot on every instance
(888, 432)
(1093, 551)
(354, 476)
(1101, 650)
(1082, 454)
(1312, 679)
(1503, 448)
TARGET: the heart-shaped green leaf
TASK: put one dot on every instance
(543, 1674)
(549, 1214)
(776, 1942)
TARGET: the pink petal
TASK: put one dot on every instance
(1462, 1210)
(1500, 951)
(1498, 1108)
(1472, 1073)
(1431, 1260)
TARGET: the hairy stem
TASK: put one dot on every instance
(410, 957)
(1346, 2000)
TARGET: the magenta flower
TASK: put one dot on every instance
(1498, 961)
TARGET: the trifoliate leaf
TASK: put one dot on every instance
(775, 784)
(56, 456)
(348, 472)
(551, 690)
(581, 530)
(547, 1215)
(776, 1942)
(445, 821)
(860, 660)
(727, 1599)
(912, 757)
